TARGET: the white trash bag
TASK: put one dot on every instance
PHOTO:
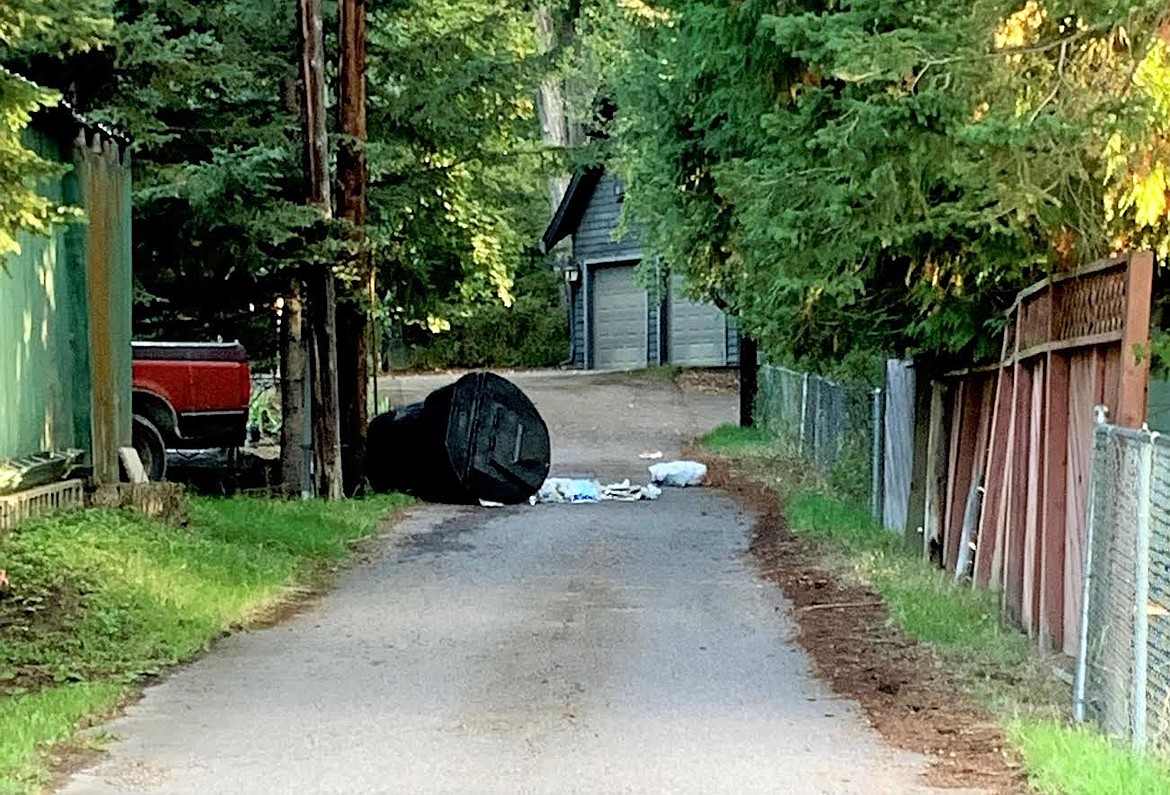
(678, 473)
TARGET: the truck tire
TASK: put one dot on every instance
(148, 443)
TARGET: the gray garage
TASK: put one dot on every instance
(696, 332)
(617, 322)
(620, 333)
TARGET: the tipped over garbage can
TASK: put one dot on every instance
(477, 439)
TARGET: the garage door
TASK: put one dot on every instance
(697, 331)
(619, 319)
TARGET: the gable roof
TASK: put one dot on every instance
(572, 207)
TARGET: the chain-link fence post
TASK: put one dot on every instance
(803, 412)
(1141, 618)
(875, 473)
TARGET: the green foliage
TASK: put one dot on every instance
(34, 720)
(879, 178)
(1075, 760)
(208, 92)
(532, 332)
(457, 168)
(28, 28)
(99, 599)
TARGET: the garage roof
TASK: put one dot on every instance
(572, 207)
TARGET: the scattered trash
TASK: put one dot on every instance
(567, 490)
(477, 439)
(650, 456)
(490, 504)
(625, 492)
(678, 473)
(580, 490)
(40, 469)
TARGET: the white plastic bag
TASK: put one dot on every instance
(678, 473)
(567, 490)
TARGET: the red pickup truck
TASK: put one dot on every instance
(188, 395)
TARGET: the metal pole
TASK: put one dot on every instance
(587, 321)
(1141, 616)
(875, 476)
(1099, 431)
(803, 412)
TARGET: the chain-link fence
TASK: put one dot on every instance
(1123, 673)
(838, 428)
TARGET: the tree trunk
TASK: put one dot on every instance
(293, 360)
(353, 324)
(320, 283)
(550, 102)
(326, 409)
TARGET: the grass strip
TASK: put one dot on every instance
(996, 663)
(100, 599)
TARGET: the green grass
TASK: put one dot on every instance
(100, 599)
(1068, 760)
(995, 662)
(35, 720)
(733, 440)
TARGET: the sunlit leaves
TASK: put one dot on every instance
(457, 195)
(31, 27)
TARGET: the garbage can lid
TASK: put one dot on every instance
(496, 439)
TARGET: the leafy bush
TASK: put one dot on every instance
(532, 332)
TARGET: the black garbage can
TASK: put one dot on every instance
(477, 439)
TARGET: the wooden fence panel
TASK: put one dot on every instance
(989, 544)
(1072, 342)
(1086, 390)
(1056, 479)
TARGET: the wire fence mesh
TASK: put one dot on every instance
(837, 428)
(1123, 680)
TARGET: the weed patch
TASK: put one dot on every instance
(100, 599)
(1072, 760)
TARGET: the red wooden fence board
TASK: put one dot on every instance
(1073, 341)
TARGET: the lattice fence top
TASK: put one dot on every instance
(1085, 307)
(1090, 306)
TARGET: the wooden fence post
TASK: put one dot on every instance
(1135, 359)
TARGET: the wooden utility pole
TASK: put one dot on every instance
(353, 313)
(322, 290)
(293, 372)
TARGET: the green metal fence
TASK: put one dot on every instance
(65, 304)
(44, 338)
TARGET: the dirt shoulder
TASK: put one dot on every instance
(907, 694)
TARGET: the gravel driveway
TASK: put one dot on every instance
(589, 648)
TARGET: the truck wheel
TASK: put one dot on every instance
(148, 442)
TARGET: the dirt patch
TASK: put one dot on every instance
(907, 695)
(86, 746)
(723, 381)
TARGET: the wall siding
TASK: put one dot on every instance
(594, 236)
(654, 318)
(579, 324)
(732, 341)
